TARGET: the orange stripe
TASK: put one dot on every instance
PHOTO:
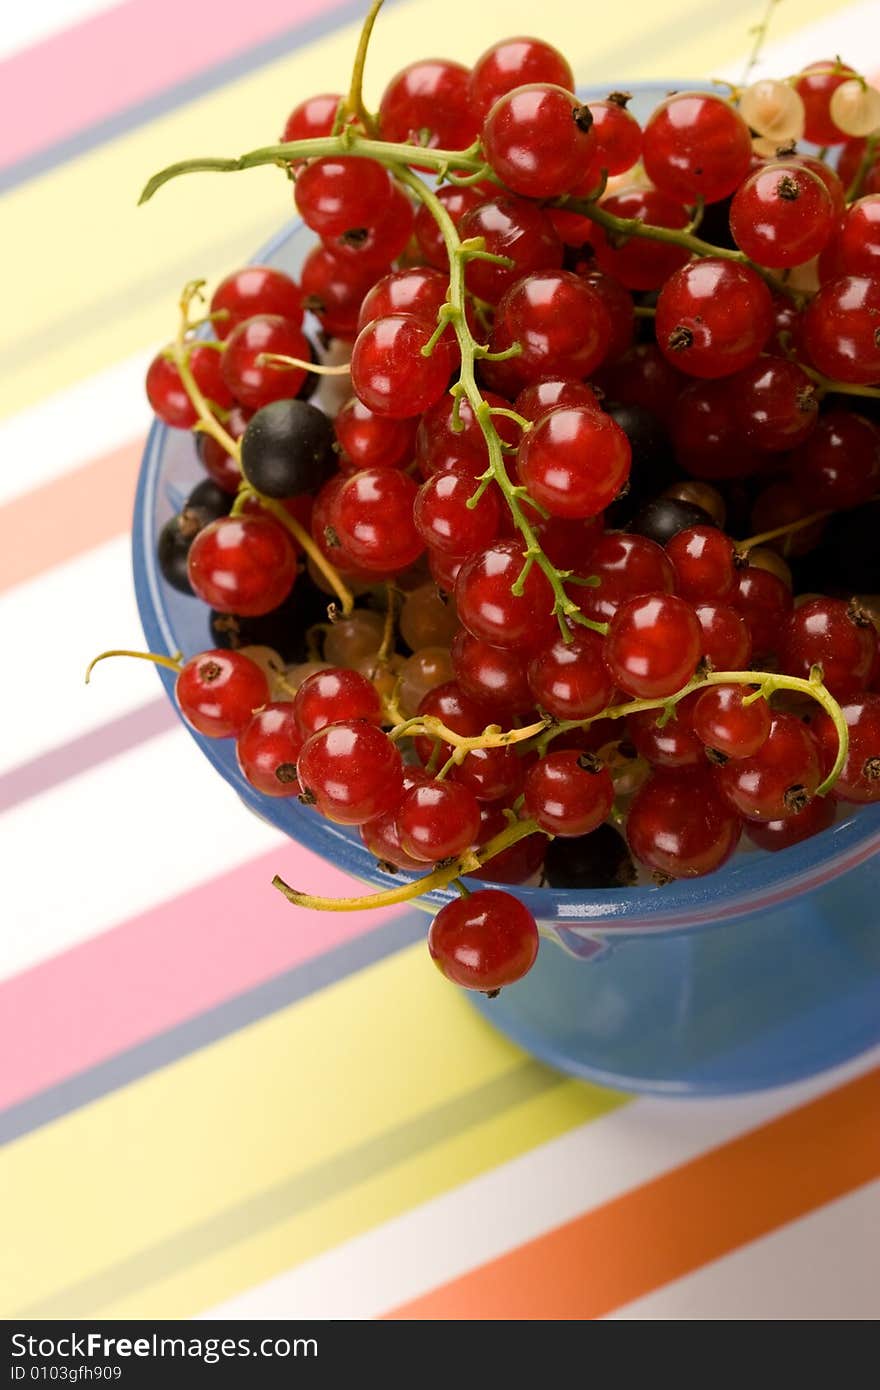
(63, 518)
(680, 1221)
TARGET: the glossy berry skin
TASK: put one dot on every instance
(653, 646)
(725, 637)
(774, 835)
(641, 264)
(255, 289)
(727, 725)
(537, 139)
(440, 445)
(253, 383)
(713, 317)
(707, 436)
(815, 87)
(839, 466)
(167, 394)
(764, 601)
(368, 440)
(779, 779)
(333, 289)
(838, 637)
(841, 330)
(703, 560)
(513, 228)
(494, 677)
(859, 778)
(515, 63)
(856, 247)
(334, 696)
(491, 774)
(432, 96)
(626, 566)
(567, 544)
(484, 941)
(220, 466)
(339, 192)
(218, 691)
(437, 820)
(244, 565)
(381, 835)
(443, 519)
(570, 679)
(378, 243)
(574, 461)
(389, 372)
(619, 307)
(268, 748)
(372, 515)
(312, 118)
(490, 610)
(696, 145)
(679, 826)
(568, 793)
(419, 290)
(455, 709)
(560, 322)
(352, 771)
(457, 202)
(775, 404)
(617, 142)
(663, 518)
(516, 864)
(287, 449)
(782, 215)
(673, 744)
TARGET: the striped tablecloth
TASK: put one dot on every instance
(211, 1105)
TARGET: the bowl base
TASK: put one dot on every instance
(758, 1002)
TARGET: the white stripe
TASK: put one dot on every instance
(514, 1203)
(825, 1266)
(847, 33)
(74, 426)
(24, 25)
(115, 841)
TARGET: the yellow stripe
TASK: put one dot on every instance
(280, 1101)
(96, 278)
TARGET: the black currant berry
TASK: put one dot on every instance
(653, 461)
(205, 503)
(287, 449)
(284, 629)
(207, 497)
(663, 518)
(598, 860)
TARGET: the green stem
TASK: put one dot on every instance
(867, 159)
(354, 102)
(303, 540)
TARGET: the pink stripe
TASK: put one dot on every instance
(117, 59)
(167, 965)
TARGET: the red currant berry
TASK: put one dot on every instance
(244, 565)
(325, 535)
(704, 563)
(617, 142)
(333, 288)
(777, 781)
(380, 242)
(619, 307)
(455, 709)
(444, 570)
(256, 289)
(765, 602)
(220, 466)
(726, 724)
(670, 744)
(492, 774)
(679, 826)
(445, 438)
(513, 228)
(389, 372)
(856, 247)
(775, 404)
(696, 145)
(774, 835)
(442, 516)
(457, 202)
(830, 177)
(516, 864)
(707, 436)
(429, 98)
(437, 820)
(488, 606)
(839, 466)
(268, 748)
(638, 263)
(218, 691)
(494, 677)
(574, 461)
(543, 396)
(570, 679)
(837, 636)
(653, 646)
(782, 215)
(333, 696)
(368, 440)
(168, 395)
(815, 86)
(850, 163)
(515, 63)
(537, 139)
(312, 118)
(484, 941)
(626, 566)
(341, 192)
(644, 378)
(372, 515)
(419, 290)
(568, 793)
(713, 317)
(352, 772)
(560, 323)
(726, 639)
(842, 330)
(567, 544)
(253, 382)
(859, 778)
(381, 835)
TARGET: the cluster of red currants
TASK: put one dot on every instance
(519, 550)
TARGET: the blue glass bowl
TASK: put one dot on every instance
(764, 972)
